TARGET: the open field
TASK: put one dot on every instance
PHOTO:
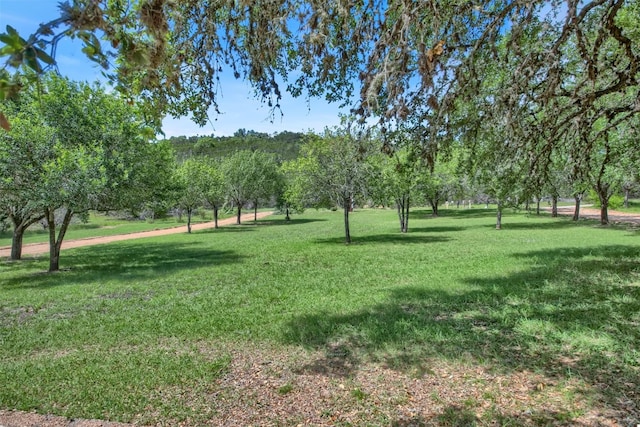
(280, 323)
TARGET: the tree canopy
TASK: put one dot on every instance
(394, 56)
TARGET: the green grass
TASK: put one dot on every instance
(128, 323)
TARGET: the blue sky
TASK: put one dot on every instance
(238, 106)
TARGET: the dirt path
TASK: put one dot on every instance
(43, 248)
(615, 217)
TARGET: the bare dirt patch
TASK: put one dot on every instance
(296, 387)
(615, 217)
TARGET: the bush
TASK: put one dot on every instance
(616, 201)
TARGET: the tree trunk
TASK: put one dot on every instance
(16, 243)
(576, 210)
(603, 196)
(538, 206)
(347, 207)
(402, 204)
(406, 215)
(215, 216)
(255, 211)
(626, 198)
(56, 244)
(189, 211)
(499, 216)
(434, 207)
(239, 214)
(20, 225)
(554, 206)
(287, 217)
(604, 213)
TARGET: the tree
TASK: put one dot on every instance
(171, 53)
(567, 62)
(393, 178)
(190, 179)
(152, 190)
(75, 142)
(22, 152)
(264, 179)
(236, 170)
(213, 186)
(337, 168)
(72, 183)
(297, 176)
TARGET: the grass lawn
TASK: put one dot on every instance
(453, 323)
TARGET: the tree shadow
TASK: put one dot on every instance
(573, 313)
(454, 213)
(226, 229)
(124, 262)
(392, 238)
(435, 229)
(456, 415)
(292, 221)
(532, 224)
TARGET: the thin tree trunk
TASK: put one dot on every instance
(215, 216)
(554, 206)
(576, 210)
(626, 198)
(255, 211)
(287, 217)
(56, 244)
(406, 215)
(499, 216)
(239, 214)
(401, 205)
(189, 211)
(347, 207)
(538, 206)
(603, 195)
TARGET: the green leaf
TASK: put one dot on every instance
(7, 50)
(30, 59)
(89, 50)
(44, 57)
(12, 31)
(5, 38)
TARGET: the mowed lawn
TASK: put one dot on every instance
(453, 323)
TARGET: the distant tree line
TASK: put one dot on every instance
(283, 145)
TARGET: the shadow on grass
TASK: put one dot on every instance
(532, 224)
(573, 313)
(386, 238)
(458, 415)
(435, 229)
(292, 221)
(226, 229)
(131, 261)
(453, 213)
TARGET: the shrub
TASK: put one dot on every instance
(616, 201)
